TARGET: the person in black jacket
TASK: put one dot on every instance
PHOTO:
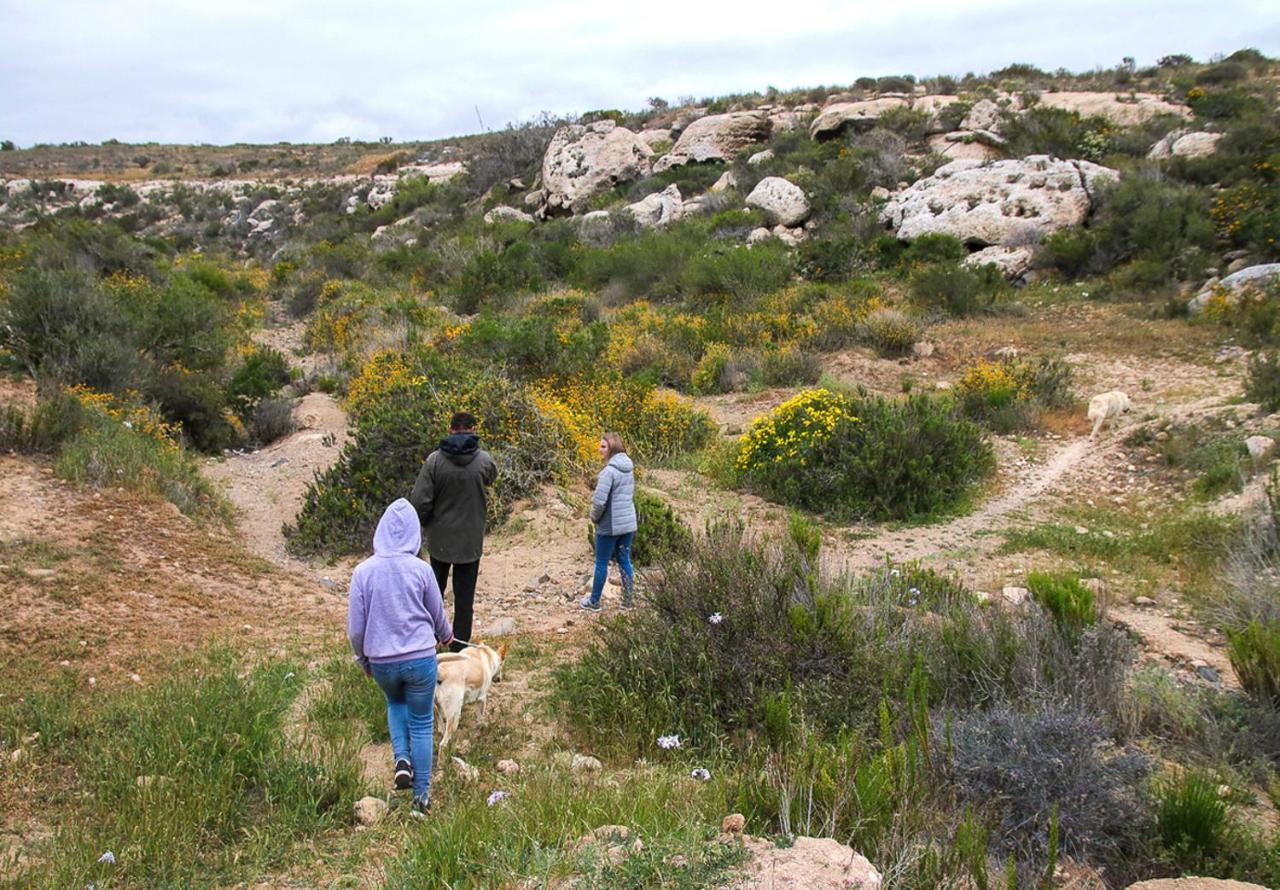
(450, 497)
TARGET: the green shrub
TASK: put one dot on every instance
(1191, 817)
(709, 374)
(1074, 251)
(890, 332)
(1066, 599)
(1224, 104)
(829, 259)
(866, 457)
(1254, 651)
(1262, 380)
(789, 366)
(262, 373)
(662, 534)
(272, 419)
(958, 291)
(744, 272)
(41, 429)
(935, 247)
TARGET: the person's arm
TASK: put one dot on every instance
(601, 496)
(357, 620)
(424, 491)
(435, 606)
(490, 470)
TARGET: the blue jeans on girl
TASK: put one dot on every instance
(606, 547)
(410, 688)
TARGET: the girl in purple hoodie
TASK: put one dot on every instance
(395, 620)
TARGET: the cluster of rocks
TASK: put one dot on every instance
(248, 212)
(1236, 285)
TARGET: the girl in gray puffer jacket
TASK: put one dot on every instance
(613, 510)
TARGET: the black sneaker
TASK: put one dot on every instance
(587, 604)
(421, 807)
(404, 774)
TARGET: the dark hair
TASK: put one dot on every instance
(462, 420)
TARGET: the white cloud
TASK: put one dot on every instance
(271, 70)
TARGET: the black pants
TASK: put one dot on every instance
(464, 595)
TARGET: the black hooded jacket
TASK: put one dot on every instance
(450, 498)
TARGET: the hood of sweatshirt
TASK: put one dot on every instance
(621, 463)
(461, 448)
(399, 533)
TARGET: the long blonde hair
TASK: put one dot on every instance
(614, 441)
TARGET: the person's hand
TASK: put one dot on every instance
(368, 670)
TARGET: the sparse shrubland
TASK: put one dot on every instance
(1013, 394)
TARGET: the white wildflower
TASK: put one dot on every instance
(108, 857)
(701, 774)
(893, 573)
(715, 618)
(289, 676)
(667, 742)
(496, 798)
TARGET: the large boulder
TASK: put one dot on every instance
(932, 106)
(839, 116)
(1011, 203)
(784, 203)
(503, 213)
(984, 115)
(1232, 285)
(584, 160)
(1184, 144)
(808, 863)
(1013, 262)
(659, 209)
(1127, 111)
(717, 137)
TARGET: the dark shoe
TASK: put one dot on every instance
(404, 774)
(421, 807)
(586, 603)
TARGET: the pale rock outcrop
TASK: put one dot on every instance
(1121, 109)
(1011, 203)
(1261, 450)
(442, 172)
(760, 157)
(717, 137)
(789, 236)
(584, 160)
(757, 235)
(961, 146)
(659, 209)
(655, 137)
(1184, 144)
(984, 115)
(1233, 284)
(933, 105)
(1013, 262)
(857, 115)
(785, 121)
(784, 203)
(502, 213)
(808, 863)
(726, 181)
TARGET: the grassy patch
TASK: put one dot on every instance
(191, 781)
(1184, 542)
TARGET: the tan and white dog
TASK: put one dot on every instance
(462, 678)
(1106, 406)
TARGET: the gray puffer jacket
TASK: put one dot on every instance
(613, 506)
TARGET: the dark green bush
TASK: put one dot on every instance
(1224, 104)
(1066, 599)
(789, 366)
(662, 534)
(262, 373)
(958, 291)
(935, 247)
(742, 272)
(829, 259)
(1262, 380)
(1254, 651)
(1191, 817)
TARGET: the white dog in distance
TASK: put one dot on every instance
(1106, 405)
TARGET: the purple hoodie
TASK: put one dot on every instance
(395, 612)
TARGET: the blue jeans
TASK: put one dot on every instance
(410, 688)
(606, 547)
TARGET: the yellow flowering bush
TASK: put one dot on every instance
(867, 457)
(1012, 393)
(129, 411)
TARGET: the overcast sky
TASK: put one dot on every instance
(288, 70)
